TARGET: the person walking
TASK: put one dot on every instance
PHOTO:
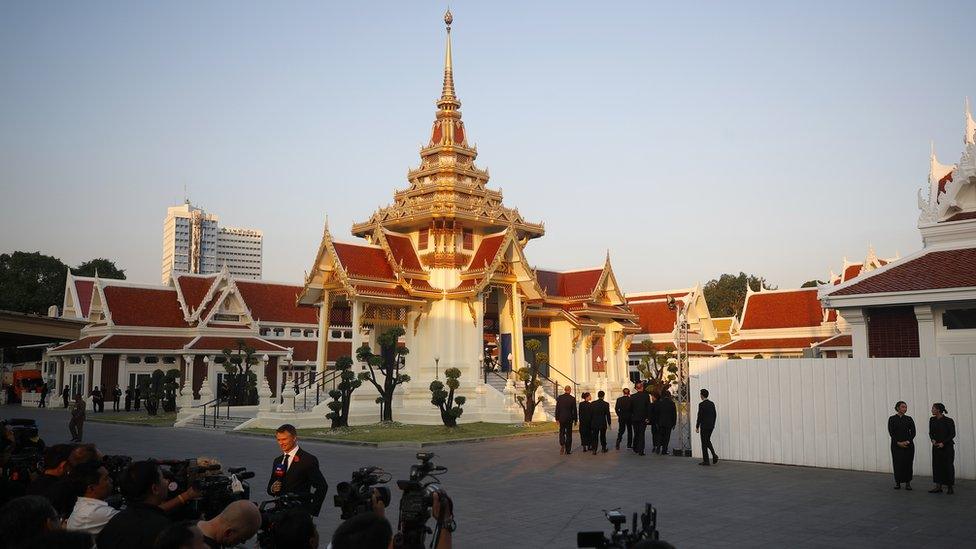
(704, 425)
(585, 415)
(622, 407)
(566, 416)
(941, 432)
(116, 395)
(65, 395)
(77, 423)
(44, 391)
(667, 418)
(599, 422)
(901, 428)
(640, 405)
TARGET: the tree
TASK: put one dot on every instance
(153, 390)
(726, 295)
(31, 282)
(812, 283)
(240, 382)
(387, 363)
(104, 268)
(658, 368)
(170, 387)
(342, 394)
(445, 400)
(531, 379)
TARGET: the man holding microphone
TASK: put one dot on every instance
(296, 471)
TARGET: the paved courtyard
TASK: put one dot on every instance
(522, 493)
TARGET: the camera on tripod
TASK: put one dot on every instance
(272, 512)
(621, 537)
(418, 500)
(356, 496)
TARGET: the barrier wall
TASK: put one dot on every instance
(834, 412)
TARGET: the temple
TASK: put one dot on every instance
(446, 261)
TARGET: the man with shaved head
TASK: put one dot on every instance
(237, 523)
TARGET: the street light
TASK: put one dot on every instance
(437, 370)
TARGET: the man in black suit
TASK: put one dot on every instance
(705, 424)
(599, 421)
(566, 416)
(640, 407)
(652, 413)
(296, 471)
(622, 407)
(667, 418)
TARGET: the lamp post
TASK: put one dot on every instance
(684, 425)
(437, 368)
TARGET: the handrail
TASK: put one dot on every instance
(319, 381)
(555, 384)
(215, 403)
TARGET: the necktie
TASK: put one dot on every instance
(284, 461)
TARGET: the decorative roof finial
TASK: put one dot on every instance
(969, 138)
(448, 97)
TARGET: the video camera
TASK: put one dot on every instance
(356, 496)
(417, 501)
(25, 447)
(621, 537)
(218, 490)
(272, 512)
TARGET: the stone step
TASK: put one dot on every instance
(222, 423)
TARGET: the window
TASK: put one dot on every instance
(347, 334)
(959, 319)
(152, 360)
(423, 238)
(279, 332)
(295, 332)
(133, 359)
(309, 333)
(169, 360)
(336, 334)
(265, 331)
(467, 240)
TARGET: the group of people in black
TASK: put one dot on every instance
(942, 431)
(635, 412)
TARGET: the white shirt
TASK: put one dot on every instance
(291, 456)
(90, 515)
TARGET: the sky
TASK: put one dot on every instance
(689, 139)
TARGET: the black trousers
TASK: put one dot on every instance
(115, 405)
(901, 462)
(655, 438)
(706, 442)
(943, 468)
(76, 427)
(128, 404)
(42, 404)
(623, 424)
(639, 428)
(64, 400)
(566, 435)
(664, 438)
(586, 436)
(598, 435)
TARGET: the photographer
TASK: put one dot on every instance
(144, 488)
(237, 523)
(91, 513)
(55, 467)
(371, 530)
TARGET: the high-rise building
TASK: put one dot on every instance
(193, 242)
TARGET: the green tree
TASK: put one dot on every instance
(170, 386)
(30, 282)
(387, 364)
(153, 390)
(812, 283)
(446, 402)
(342, 394)
(240, 382)
(104, 267)
(658, 368)
(531, 379)
(726, 294)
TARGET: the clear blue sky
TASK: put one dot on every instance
(690, 139)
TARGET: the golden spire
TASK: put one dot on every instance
(448, 98)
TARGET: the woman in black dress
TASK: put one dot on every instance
(584, 421)
(941, 431)
(901, 427)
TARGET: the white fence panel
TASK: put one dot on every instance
(834, 412)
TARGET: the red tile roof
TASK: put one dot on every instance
(569, 284)
(961, 216)
(782, 309)
(403, 252)
(364, 261)
(772, 344)
(276, 303)
(695, 347)
(194, 289)
(839, 341)
(145, 342)
(468, 283)
(144, 307)
(932, 271)
(80, 344)
(852, 271)
(84, 289)
(396, 291)
(654, 317)
(487, 251)
(219, 343)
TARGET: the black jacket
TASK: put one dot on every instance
(901, 428)
(706, 415)
(137, 525)
(565, 408)
(585, 413)
(623, 408)
(600, 414)
(302, 477)
(667, 413)
(640, 406)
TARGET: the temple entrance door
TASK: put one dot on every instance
(490, 332)
(77, 383)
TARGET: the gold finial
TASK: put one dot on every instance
(448, 98)
(448, 19)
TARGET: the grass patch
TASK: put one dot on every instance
(134, 418)
(398, 432)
